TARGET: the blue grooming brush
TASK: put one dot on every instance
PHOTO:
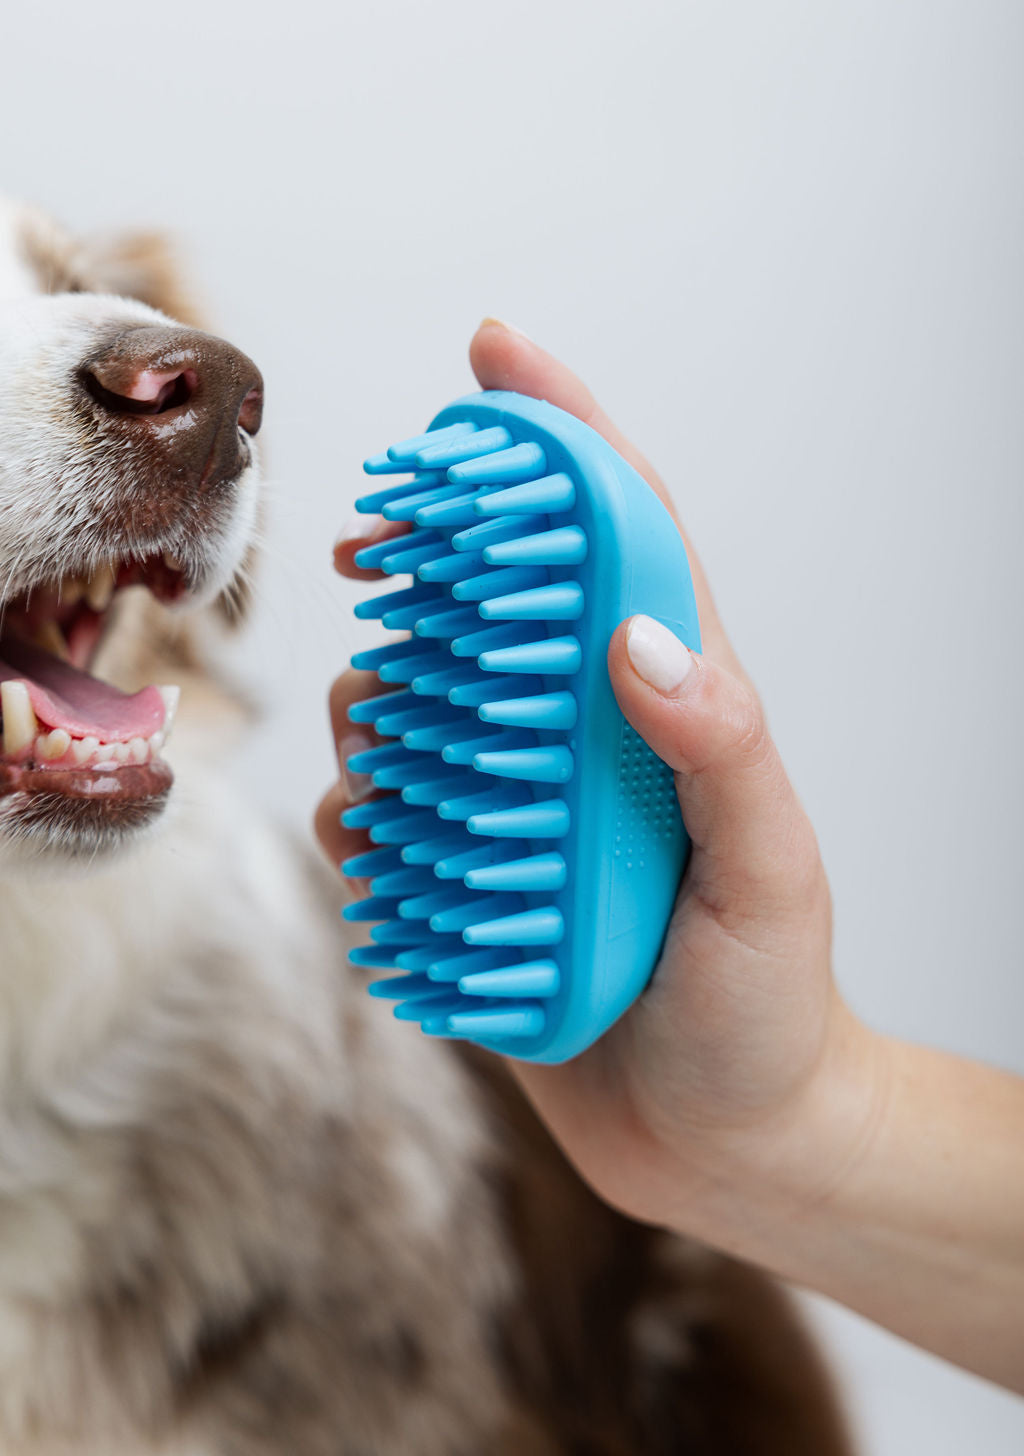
(528, 843)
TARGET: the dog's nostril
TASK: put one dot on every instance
(144, 392)
(250, 415)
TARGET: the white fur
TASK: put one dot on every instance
(104, 980)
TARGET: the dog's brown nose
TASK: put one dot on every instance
(191, 395)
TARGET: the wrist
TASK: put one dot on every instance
(751, 1189)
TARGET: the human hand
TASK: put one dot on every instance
(739, 1100)
(739, 1068)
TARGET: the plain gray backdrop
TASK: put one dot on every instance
(783, 242)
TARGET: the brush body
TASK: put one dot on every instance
(529, 845)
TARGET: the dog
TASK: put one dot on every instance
(242, 1210)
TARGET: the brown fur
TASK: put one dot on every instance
(629, 1340)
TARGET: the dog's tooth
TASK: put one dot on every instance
(20, 723)
(139, 750)
(156, 742)
(172, 562)
(101, 588)
(72, 589)
(171, 695)
(82, 749)
(51, 639)
(120, 752)
(53, 745)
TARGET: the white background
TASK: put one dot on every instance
(783, 242)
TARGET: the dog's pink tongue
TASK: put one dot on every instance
(64, 697)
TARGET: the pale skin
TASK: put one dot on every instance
(740, 1101)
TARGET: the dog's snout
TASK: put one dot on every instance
(189, 392)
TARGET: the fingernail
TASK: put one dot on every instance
(658, 656)
(491, 322)
(356, 785)
(358, 527)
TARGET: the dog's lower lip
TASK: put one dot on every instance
(130, 782)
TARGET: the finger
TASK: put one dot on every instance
(504, 358)
(363, 531)
(337, 842)
(754, 849)
(351, 738)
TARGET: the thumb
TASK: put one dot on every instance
(754, 850)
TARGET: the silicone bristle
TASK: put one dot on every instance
(466, 749)
(421, 957)
(448, 624)
(484, 856)
(374, 658)
(403, 828)
(401, 988)
(405, 450)
(451, 568)
(409, 880)
(547, 496)
(373, 862)
(445, 682)
(464, 918)
(396, 725)
(434, 790)
(433, 902)
(408, 669)
(404, 619)
(440, 846)
(552, 656)
(372, 558)
(531, 978)
(518, 1020)
(489, 535)
(547, 820)
(408, 560)
(373, 908)
(372, 957)
(452, 967)
(507, 467)
(478, 690)
(440, 1006)
(384, 756)
(440, 736)
(564, 546)
(559, 601)
(537, 872)
(552, 765)
(539, 926)
(409, 770)
(490, 801)
(457, 511)
(441, 455)
(405, 508)
(491, 639)
(412, 769)
(544, 710)
(374, 503)
(419, 595)
(369, 710)
(372, 811)
(397, 934)
(494, 583)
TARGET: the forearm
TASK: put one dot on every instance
(900, 1193)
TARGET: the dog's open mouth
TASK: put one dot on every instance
(62, 730)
